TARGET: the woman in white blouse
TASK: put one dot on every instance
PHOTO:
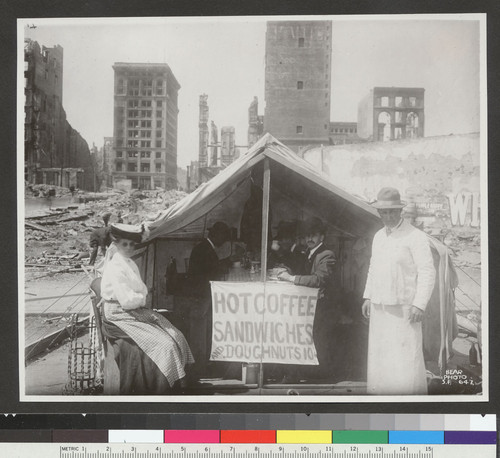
(150, 352)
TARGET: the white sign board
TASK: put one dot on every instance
(263, 322)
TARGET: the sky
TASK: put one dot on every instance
(225, 59)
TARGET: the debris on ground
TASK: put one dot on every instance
(56, 237)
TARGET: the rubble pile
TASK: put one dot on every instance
(56, 238)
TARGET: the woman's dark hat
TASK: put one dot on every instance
(127, 231)
(388, 198)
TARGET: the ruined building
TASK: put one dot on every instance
(297, 82)
(214, 145)
(203, 132)
(54, 152)
(228, 145)
(213, 155)
(145, 125)
(391, 113)
(108, 160)
(255, 122)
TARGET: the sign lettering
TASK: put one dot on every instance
(263, 322)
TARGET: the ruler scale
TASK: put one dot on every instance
(426, 436)
(49, 450)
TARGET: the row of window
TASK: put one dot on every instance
(143, 154)
(138, 143)
(144, 103)
(143, 124)
(344, 130)
(142, 133)
(132, 167)
(134, 82)
(144, 114)
(401, 102)
(139, 182)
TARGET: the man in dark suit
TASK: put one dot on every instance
(204, 267)
(319, 271)
(285, 251)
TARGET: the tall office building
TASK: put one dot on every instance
(145, 125)
(298, 81)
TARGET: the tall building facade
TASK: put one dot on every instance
(55, 153)
(391, 113)
(145, 125)
(298, 81)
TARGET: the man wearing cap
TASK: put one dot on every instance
(100, 238)
(398, 287)
(319, 269)
(204, 267)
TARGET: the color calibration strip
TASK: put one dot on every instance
(250, 437)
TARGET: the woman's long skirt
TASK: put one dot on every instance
(162, 343)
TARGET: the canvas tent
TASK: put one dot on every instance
(297, 191)
(293, 189)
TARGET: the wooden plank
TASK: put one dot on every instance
(52, 340)
(264, 241)
(37, 227)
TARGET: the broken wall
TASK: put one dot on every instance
(440, 175)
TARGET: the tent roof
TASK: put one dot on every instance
(290, 173)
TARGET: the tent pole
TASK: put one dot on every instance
(265, 229)
(265, 220)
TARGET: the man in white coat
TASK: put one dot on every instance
(398, 287)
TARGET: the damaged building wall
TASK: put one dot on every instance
(391, 113)
(255, 123)
(439, 175)
(55, 153)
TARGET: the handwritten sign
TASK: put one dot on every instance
(263, 322)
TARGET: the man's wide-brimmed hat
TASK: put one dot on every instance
(388, 198)
(313, 225)
(127, 231)
(220, 228)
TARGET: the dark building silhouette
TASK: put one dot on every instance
(54, 152)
